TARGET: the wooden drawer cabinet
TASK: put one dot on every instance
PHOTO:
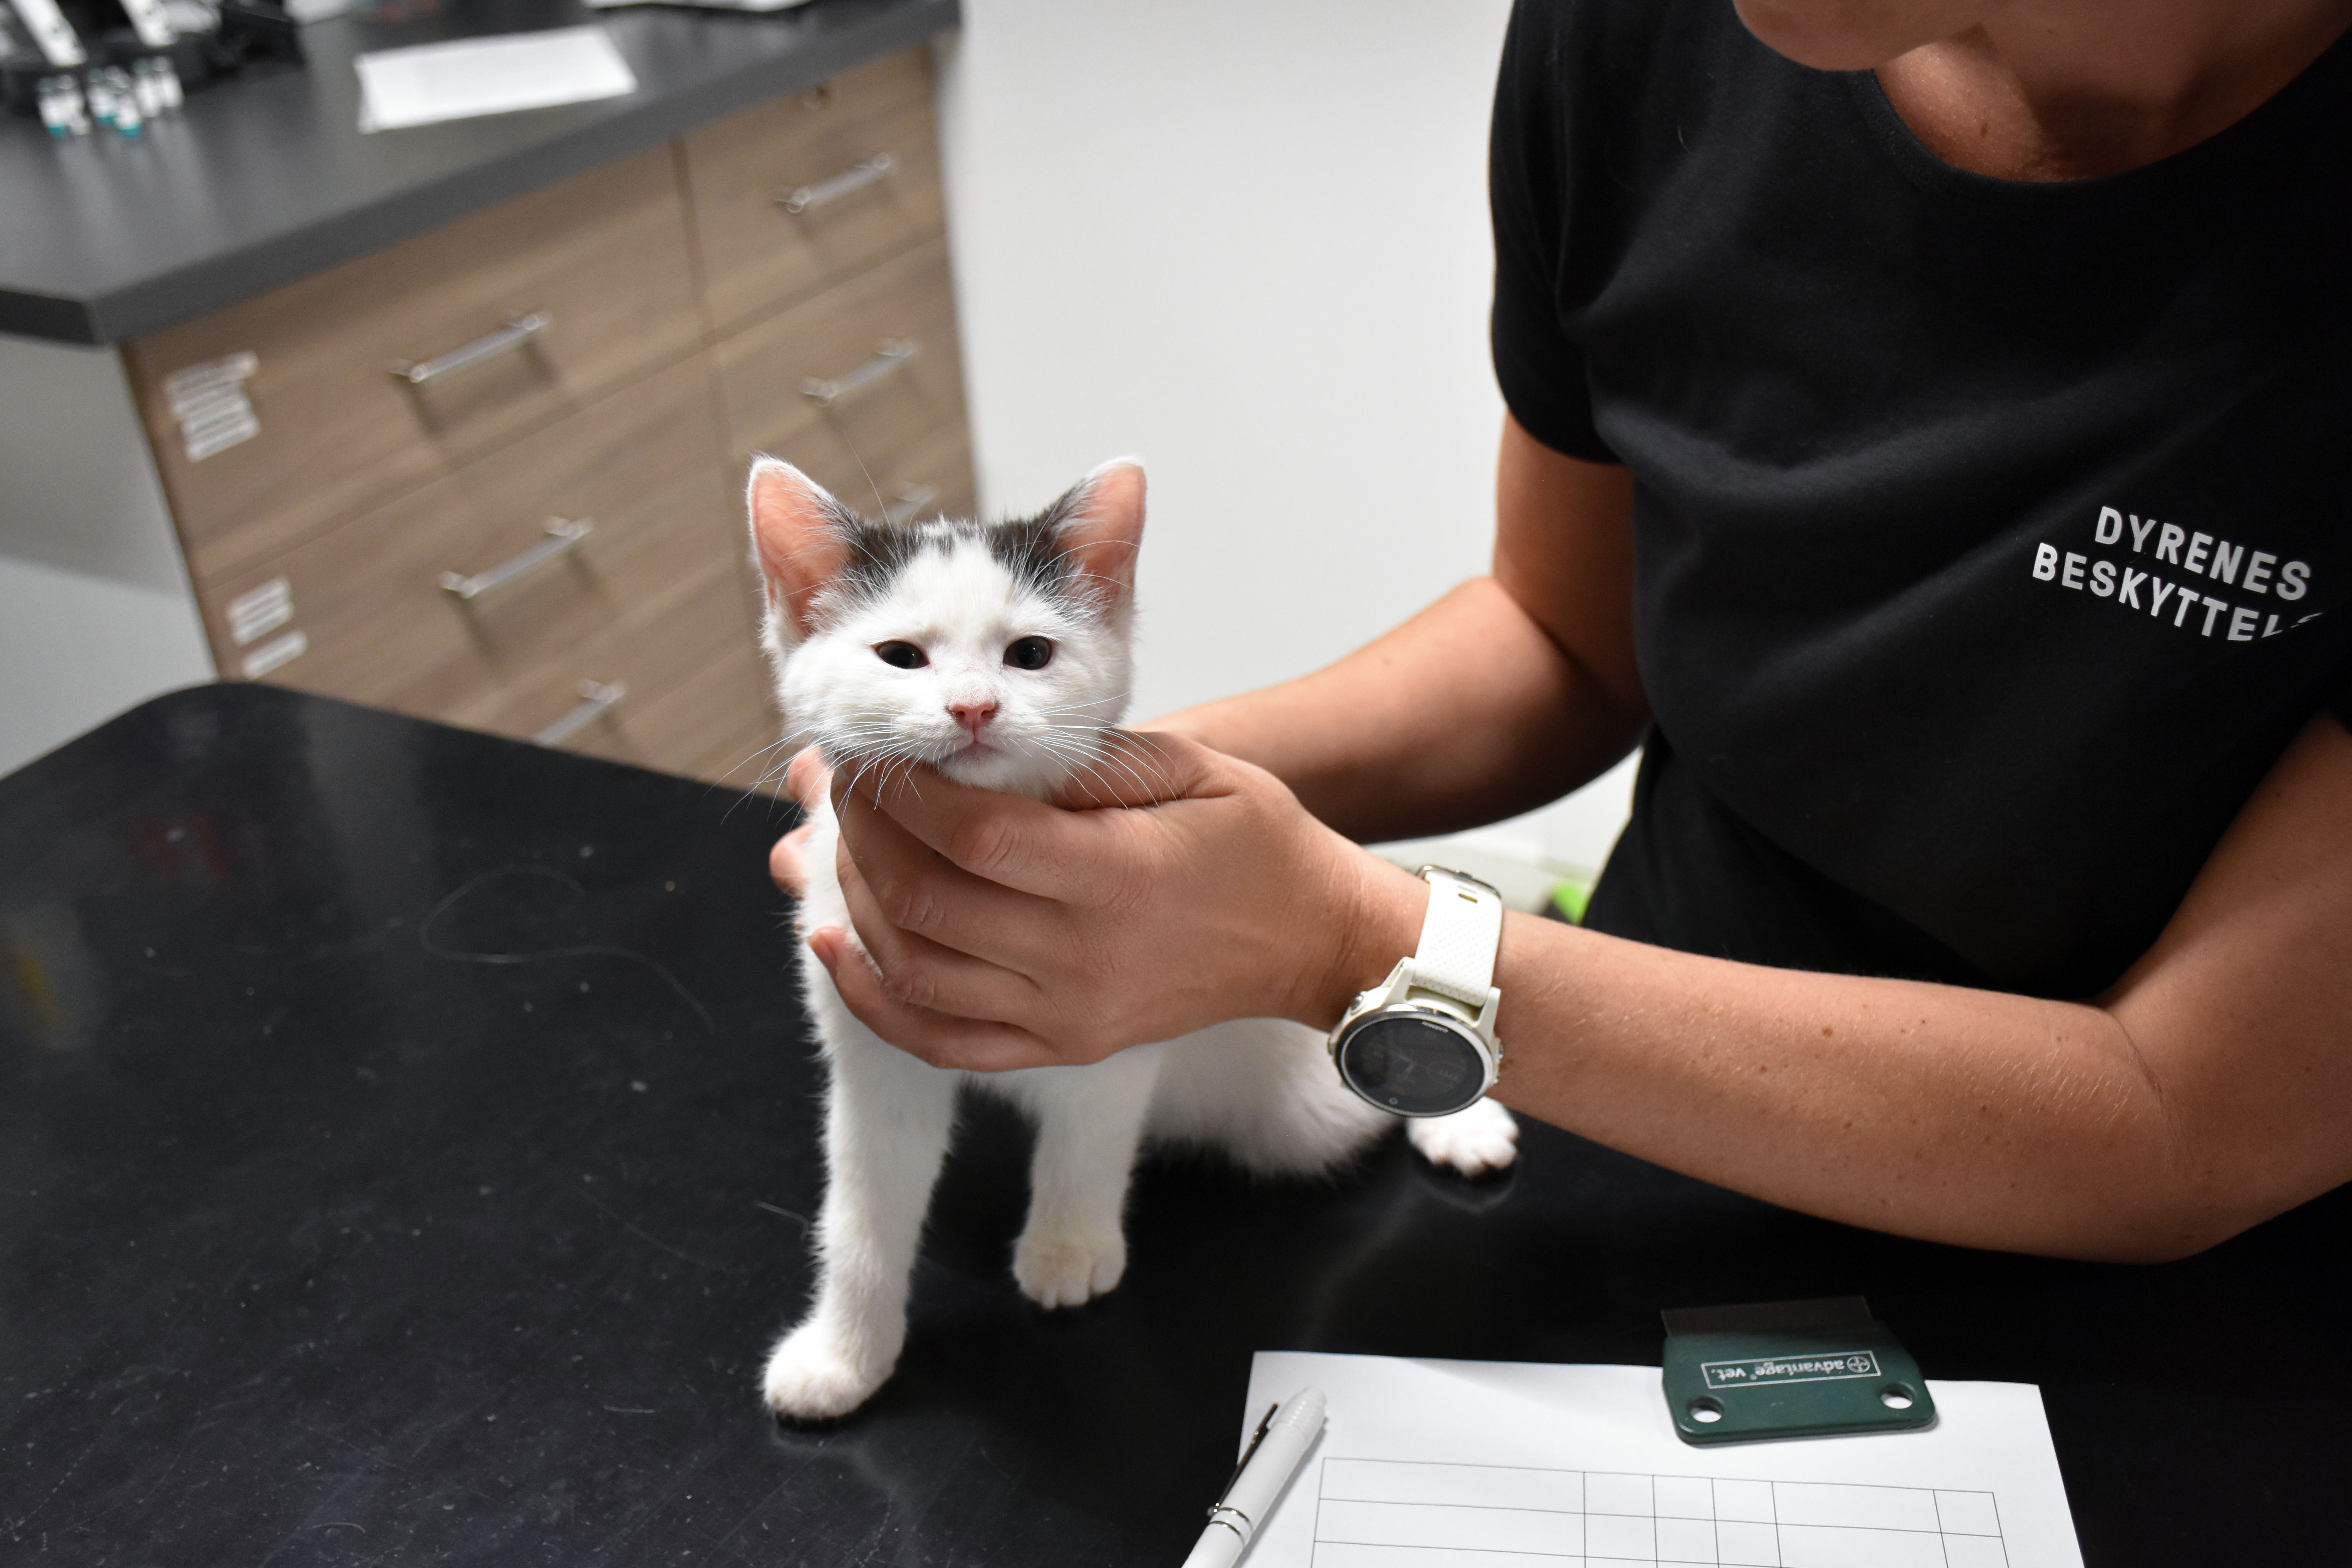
(812, 187)
(818, 385)
(600, 257)
(542, 535)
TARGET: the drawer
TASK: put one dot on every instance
(716, 725)
(824, 370)
(659, 688)
(600, 261)
(798, 192)
(372, 600)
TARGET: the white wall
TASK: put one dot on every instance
(96, 612)
(1249, 241)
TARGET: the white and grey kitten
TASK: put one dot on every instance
(998, 654)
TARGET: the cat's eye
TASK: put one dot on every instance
(1030, 653)
(901, 655)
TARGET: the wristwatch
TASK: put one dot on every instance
(1421, 1042)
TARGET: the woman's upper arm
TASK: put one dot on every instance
(1564, 553)
(2241, 1012)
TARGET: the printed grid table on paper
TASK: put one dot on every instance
(1381, 1513)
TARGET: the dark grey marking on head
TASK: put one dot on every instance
(1030, 548)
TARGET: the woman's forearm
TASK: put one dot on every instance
(2206, 1091)
(1465, 714)
(1957, 1115)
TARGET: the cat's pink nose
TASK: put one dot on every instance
(973, 716)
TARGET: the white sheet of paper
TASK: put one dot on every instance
(425, 83)
(1467, 1464)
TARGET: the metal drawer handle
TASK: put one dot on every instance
(561, 535)
(888, 355)
(598, 699)
(912, 499)
(856, 177)
(519, 331)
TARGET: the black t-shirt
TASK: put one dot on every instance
(1991, 538)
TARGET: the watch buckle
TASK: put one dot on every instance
(1429, 866)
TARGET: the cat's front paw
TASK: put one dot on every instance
(812, 1376)
(1068, 1269)
(1473, 1141)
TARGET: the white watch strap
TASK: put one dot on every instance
(1459, 937)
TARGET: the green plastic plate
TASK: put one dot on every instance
(1789, 1369)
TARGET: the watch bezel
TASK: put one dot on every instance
(1397, 996)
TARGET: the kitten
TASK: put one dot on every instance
(998, 653)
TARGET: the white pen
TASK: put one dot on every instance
(1281, 1441)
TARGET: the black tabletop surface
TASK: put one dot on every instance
(406, 1146)
(261, 181)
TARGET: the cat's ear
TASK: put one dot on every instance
(799, 540)
(1098, 526)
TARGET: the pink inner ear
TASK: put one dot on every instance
(795, 537)
(1104, 533)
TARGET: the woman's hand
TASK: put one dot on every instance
(806, 780)
(1171, 888)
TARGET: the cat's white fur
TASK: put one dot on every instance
(1262, 1090)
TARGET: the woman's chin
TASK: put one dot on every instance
(1841, 35)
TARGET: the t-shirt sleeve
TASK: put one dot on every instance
(1539, 367)
(2340, 704)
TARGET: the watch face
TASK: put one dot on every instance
(1413, 1066)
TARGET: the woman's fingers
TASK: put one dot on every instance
(807, 776)
(1062, 932)
(1141, 767)
(921, 973)
(1007, 840)
(788, 861)
(966, 1044)
(920, 890)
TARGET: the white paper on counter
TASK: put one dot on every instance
(425, 83)
(1463, 1464)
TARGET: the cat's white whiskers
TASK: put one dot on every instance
(1098, 782)
(1108, 758)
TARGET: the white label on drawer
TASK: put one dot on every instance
(270, 655)
(220, 430)
(199, 382)
(206, 418)
(259, 610)
(209, 402)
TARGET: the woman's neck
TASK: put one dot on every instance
(2065, 90)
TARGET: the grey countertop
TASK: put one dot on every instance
(264, 180)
